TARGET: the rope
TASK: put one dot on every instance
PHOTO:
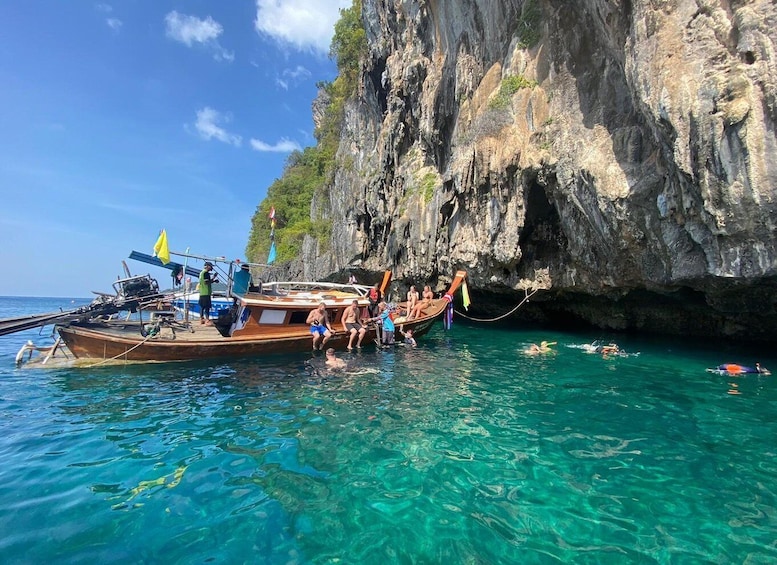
(149, 336)
(521, 303)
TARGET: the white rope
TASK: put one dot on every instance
(149, 336)
(521, 303)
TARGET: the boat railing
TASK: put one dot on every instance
(283, 288)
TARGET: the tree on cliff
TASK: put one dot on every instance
(311, 170)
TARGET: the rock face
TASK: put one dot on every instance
(629, 147)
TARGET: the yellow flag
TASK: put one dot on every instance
(465, 295)
(161, 249)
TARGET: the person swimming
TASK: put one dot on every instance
(737, 369)
(333, 362)
(541, 349)
(605, 350)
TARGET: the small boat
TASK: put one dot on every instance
(272, 320)
(190, 302)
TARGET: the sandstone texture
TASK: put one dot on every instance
(634, 157)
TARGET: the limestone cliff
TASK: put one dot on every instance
(627, 146)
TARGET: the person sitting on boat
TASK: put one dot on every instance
(332, 361)
(241, 280)
(426, 300)
(352, 323)
(319, 326)
(412, 300)
(206, 291)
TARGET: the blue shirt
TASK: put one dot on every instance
(240, 282)
(388, 323)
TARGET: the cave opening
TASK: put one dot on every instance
(541, 238)
(378, 76)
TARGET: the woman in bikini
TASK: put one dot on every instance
(426, 300)
(412, 300)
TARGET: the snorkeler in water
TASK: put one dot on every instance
(541, 349)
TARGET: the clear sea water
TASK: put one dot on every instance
(464, 450)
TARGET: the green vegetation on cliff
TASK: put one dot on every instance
(529, 23)
(509, 86)
(310, 171)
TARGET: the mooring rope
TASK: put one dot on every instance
(149, 336)
(521, 303)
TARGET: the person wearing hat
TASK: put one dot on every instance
(206, 292)
(241, 280)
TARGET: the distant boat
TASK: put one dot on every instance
(183, 301)
(271, 321)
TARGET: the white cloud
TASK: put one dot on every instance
(105, 8)
(283, 146)
(208, 127)
(191, 30)
(307, 25)
(294, 76)
(114, 23)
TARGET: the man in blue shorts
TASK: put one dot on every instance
(319, 326)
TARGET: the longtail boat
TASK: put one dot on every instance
(272, 320)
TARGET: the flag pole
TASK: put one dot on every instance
(187, 285)
(271, 256)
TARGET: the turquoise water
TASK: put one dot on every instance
(461, 451)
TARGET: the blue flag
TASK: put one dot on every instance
(271, 256)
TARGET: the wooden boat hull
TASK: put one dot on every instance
(124, 342)
(94, 342)
(91, 342)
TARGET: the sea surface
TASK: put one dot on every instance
(464, 450)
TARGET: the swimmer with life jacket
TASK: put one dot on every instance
(604, 349)
(737, 369)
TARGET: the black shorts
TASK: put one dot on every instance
(205, 303)
(353, 326)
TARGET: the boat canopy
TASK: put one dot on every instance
(151, 260)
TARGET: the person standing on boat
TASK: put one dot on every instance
(387, 324)
(206, 292)
(241, 280)
(375, 296)
(352, 323)
(319, 326)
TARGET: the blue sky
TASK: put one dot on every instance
(118, 119)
